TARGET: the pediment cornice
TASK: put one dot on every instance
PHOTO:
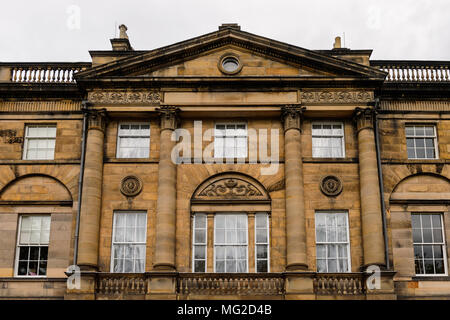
(136, 65)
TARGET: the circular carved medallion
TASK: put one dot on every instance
(331, 186)
(131, 186)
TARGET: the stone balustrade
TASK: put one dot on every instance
(41, 72)
(121, 283)
(339, 284)
(231, 284)
(414, 71)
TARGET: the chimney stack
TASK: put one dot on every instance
(122, 43)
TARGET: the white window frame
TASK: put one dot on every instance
(18, 245)
(266, 243)
(194, 243)
(119, 137)
(336, 242)
(443, 244)
(230, 244)
(322, 123)
(414, 137)
(125, 242)
(216, 156)
(28, 138)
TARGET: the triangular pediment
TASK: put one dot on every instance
(199, 57)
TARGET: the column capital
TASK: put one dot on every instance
(169, 117)
(291, 116)
(363, 117)
(97, 119)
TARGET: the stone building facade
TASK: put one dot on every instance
(225, 166)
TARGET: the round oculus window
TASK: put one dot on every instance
(230, 64)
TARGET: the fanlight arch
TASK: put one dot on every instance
(230, 187)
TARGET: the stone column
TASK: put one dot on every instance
(371, 215)
(164, 254)
(293, 172)
(92, 192)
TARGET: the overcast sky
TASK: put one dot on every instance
(65, 30)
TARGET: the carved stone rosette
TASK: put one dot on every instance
(291, 116)
(97, 119)
(131, 186)
(169, 117)
(125, 97)
(364, 118)
(331, 186)
(337, 96)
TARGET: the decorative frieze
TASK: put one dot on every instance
(125, 97)
(10, 137)
(337, 96)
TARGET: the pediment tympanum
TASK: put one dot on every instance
(230, 187)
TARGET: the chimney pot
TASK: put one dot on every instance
(337, 43)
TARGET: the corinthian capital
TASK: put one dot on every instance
(169, 117)
(363, 118)
(97, 119)
(291, 116)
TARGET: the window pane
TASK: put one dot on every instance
(220, 266)
(262, 266)
(199, 252)
(261, 236)
(200, 236)
(261, 252)
(332, 265)
(199, 266)
(128, 249)
(417, 235)
(321, 265)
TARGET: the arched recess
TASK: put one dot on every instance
(230, 191)
(421, 188)
(424, 194)
(36, 188)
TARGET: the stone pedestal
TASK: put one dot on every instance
(162, 286)
(386, 291)
(295, 210)
(299, 286)
(86, 291)
(164, 254)
(371, 214)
